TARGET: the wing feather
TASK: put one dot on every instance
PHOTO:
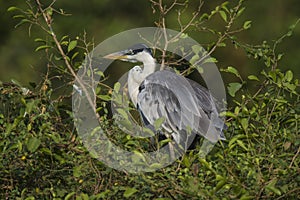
(182, 103)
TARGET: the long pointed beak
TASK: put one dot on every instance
(116, 56)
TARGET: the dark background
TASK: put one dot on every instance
(101, 19)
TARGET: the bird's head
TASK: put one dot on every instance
(135, 53)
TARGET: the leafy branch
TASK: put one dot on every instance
(33, 17)
(47, 16)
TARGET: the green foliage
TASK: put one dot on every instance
(37, 147)
(41, 156)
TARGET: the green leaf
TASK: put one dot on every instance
(31, 105)
(70, 195)
(194, 59)
(220, 185)
(29, 127)
(205, 163)
(205, 16)
(223, 15)
(39, 40)
(292, 87)
(233, 88)
(271, 187)
(200, 69)
(49, 11)
(247, 25)
(138, 156)
(42, 47)
(46, 151)
(33, 144)
(117, 87)
(253, 77)
(59, 158)
(231, 143)
(77, 171)
(84, 196)
(158, 123)
(72, 45)
(22, 22)
(125, 124)
(30, 198)
(186, 161)
(224, 6)
(241, 144)
(100, 73)
(74, 55)
(221, 44)
(291, 29)
(18, 16)
(104, 97)
(272, 75)
(210, 60)
(156, 166)
(244, 123)
(196, 49)
(16, 82)
(12, 8)
(232, 70)
(241, 10)
(129, 192)
(219, 177)
(230, 114)
(183, 36)
(288, 75)
(280, 56)
(122, 112)
(247, 197)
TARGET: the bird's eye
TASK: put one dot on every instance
(131, 52)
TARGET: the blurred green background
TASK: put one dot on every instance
(101, 19)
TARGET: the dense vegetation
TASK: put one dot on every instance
(42, 157)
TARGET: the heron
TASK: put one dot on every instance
(187, 108)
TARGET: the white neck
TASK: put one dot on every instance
(133, 90)
(149, 65)
(134, 79)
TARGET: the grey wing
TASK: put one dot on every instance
(203, 96)
(168, 95)
(156, 101)
(208, 103)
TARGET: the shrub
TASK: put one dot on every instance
(42, 156)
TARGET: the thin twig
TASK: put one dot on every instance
(294, 157)
(48, 20)
(224, 35)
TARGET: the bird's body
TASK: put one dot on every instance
(186, 107)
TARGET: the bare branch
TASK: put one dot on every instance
(48, 20)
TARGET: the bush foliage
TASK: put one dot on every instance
(42, 157)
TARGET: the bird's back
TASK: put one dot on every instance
(182, 102)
